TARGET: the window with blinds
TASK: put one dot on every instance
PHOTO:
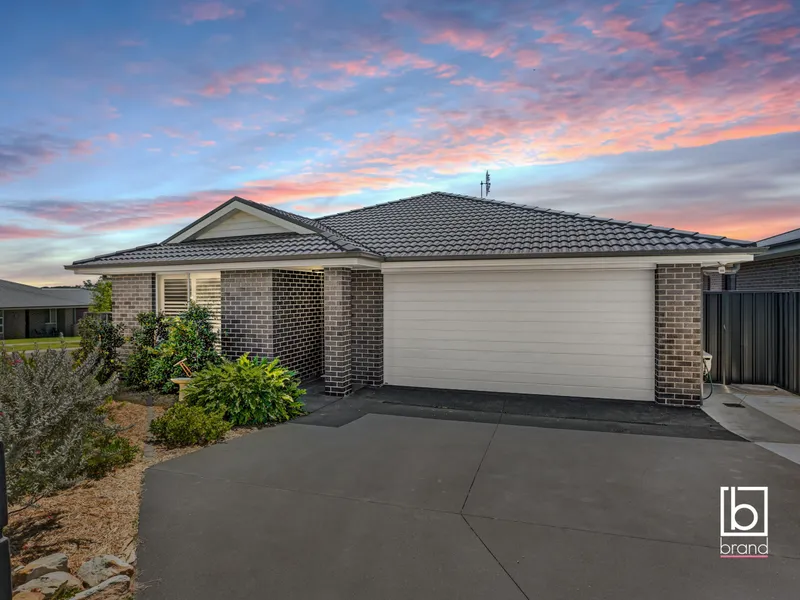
(175, 292)
(207, 293)
(175, 296)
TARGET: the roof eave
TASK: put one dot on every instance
(737, 250)
(211, 261)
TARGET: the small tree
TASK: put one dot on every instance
(103, 336)
(191, 336)
(49, 408)
(101, 295)
(152, 330)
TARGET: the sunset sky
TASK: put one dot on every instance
(120, 122)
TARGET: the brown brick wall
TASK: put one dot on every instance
(714, 282)
(773, 274)
(367, 327)
(131, 295)
(338, 316)
(299, 321)
(678, 367)
(247, 313)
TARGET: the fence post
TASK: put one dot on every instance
(5, 546)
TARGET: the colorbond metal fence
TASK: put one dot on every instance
(754, 337)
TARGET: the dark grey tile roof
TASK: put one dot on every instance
(440, 224)
(429, 226)
(18, 295)
(251, 247)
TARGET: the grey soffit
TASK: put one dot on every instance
(18, 295)
(430, 226)
(251, 247)
(441, 224)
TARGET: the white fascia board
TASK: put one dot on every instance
(224, 213)
(596, 262)
(295, 264)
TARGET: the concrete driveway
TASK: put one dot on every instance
(390, 495)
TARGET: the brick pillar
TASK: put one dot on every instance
(131, 295)
(247, 309)
(337, 331)
(716, 282)
(678, 368)
(367, 327)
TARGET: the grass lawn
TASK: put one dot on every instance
(20, 345)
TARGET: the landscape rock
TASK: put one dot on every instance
(51, 583)
(41, 566)
(28, 596)
(96, 570)
(111, 589)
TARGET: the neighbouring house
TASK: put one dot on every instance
(441, 291)
(27, 311)
(776, 268)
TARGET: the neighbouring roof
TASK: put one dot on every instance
(435, 225)
(18, 295)
(782, 244)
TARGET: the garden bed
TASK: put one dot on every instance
(96, 516)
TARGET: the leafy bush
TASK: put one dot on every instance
(152, 330)
(104, 336)
(191, 336)
(49, 408)
(184, 425)
(249, 392)
(101, 294)
(106, 450)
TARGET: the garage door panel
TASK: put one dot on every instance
(572, 370)
(491, 335)
(520, 306)
(637, 361)
(529, 327)
(393, 315)
(563, 389)
(498, 297)
(575, 333)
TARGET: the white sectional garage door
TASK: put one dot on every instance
(566, 333)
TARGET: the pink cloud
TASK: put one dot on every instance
(179, 101)
(208, 11)
(527, 59)
(14, 232)
(470, 40)
(778, 37)
(207, 143)
(243, 77)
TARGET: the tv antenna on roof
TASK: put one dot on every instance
(487, 183)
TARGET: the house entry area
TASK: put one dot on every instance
(581, 333)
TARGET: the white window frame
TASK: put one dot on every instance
(2, 323)
(52, 316)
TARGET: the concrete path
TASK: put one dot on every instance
(765, 415)
(455, 503)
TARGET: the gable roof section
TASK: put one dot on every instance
(297, 223)
(436, 225)
(18, 295)
(450, 225)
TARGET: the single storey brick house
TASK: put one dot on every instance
(32, 312)
(776, 268)
(441, 291)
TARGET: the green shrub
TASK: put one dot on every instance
(152, 330)
(184, 425)
(249, 392)
(191, 336)
(106, 337)
(106, 450)
(49, 408)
